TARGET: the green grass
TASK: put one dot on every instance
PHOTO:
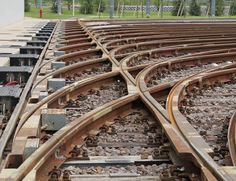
(47, 14)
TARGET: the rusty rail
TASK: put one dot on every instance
(232, 138)
(21, 104)
(181, 141)
(185, 129)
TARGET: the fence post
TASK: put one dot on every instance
(148, 8)
(123, 8)
(98, 13)
(118, 9)
(59, 7)
(184, 9)
(161, 6)
(73, 4)
(142, 8)
(111, 7)
(213, 8)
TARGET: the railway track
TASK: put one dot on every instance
(124, 51)
(134, 64)
(214, 132)
(231, 138)
(105, 107)
(9, 120)
(114, 150)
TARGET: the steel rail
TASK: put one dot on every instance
(160, 44)
(164, 119)
(173, 112)
(175, 49)
(65, 133)
(232, 138)
(12, 123)
(63, 91)
(67, 68)
(69, 55)
(75, 46)
(45, 150)
(126, 61)
(105, 39)
(155, 37)
(141, 77)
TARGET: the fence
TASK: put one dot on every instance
(139, 8)
(124, 10)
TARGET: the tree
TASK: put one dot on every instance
(27, 6)
(116, 4)
(54, 6)
(219, 7)
(86, 6)
(178, 8)
(157, 3)
(69, 4)
(232, 10)
(194, 8)
(100, 3)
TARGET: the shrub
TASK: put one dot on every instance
(176, 6)
(232, 10)
(194, 8)
(86, 7)
(27, 6)
(219, 7)
(54, 6)
(102, 5)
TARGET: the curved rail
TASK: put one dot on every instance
(161, 44)
(172, 53)
(38, 158)
(65, 69)
(12, 122)
(189, 134)
(232, 138)
(77, 47)
(69, 55)
(109, 45)
(62, 92)
(64, 134)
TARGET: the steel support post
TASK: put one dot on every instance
(59, 7)
(213, 8)
(111, 8)
(148, 10)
